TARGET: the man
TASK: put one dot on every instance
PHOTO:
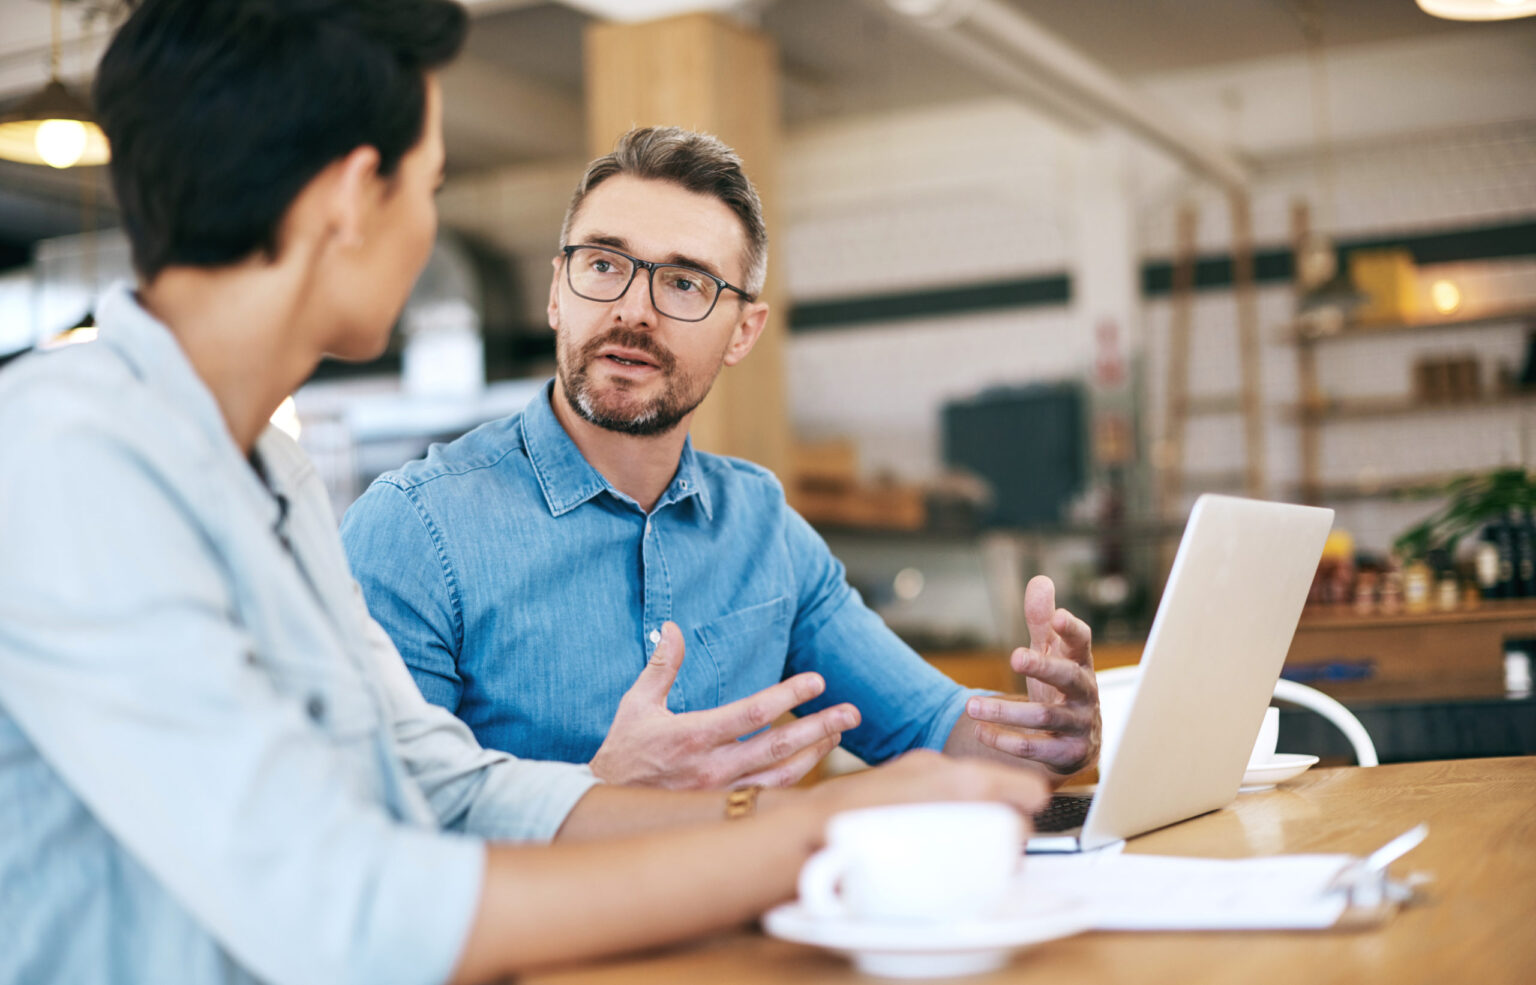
(531, 572)
(213, 765)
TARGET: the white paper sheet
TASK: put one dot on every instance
(1159, 892)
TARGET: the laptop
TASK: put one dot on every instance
(1219, 638)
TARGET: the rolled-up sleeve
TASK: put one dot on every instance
(122, 663)
(905, 702)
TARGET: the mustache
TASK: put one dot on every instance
(629, 338)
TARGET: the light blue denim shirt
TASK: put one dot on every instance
(525, 593)
(213, 765)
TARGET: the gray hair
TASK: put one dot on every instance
(699, 162)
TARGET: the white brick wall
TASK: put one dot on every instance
(939, 198)
(1456, 179)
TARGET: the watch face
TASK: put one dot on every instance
(741, 803)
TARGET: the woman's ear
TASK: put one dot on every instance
(355, 191)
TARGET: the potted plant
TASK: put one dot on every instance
(1471, 502)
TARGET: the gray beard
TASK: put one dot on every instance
(657, 416)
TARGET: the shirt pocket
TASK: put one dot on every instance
(748, 647)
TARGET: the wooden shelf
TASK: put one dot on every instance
(1444, 654)
(1489, 610)
(1219, 481)
(1361, 408)
(1214, 404)
(1295, 333)
(1392, 487)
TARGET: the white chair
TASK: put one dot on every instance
(1342, 718)
(1118, 684)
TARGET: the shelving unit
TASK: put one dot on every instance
(1496, 316)
(1364, 407)
(1414, 656)
(1316, 409)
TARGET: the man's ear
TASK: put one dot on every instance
(748, 329)
(554, 294)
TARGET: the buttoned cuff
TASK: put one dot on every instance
(949, 716)
(529, 800)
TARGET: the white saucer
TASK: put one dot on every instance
(908, 950)
(1281, 767)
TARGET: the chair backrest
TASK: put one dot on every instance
(1118, 684)
(1342, 718)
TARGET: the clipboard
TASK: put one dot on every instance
(1278, 892)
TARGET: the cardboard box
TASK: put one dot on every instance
(1389, 279)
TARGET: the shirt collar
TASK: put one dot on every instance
(568, 480)
(155, 357)
(689, 481)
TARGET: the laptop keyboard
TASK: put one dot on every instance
(1063, 813)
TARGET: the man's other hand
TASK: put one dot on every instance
(648, 745)
(1057, 725)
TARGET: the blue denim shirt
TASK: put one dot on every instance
(525, 593)
(213, 765)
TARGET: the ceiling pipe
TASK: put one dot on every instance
(984, 33)
(1006, 72)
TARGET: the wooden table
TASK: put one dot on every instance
(1478, 923)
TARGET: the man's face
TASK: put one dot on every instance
(401, 228)
(622, 364)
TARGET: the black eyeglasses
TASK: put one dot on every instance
(684, 293)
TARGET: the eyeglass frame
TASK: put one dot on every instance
(649, 266)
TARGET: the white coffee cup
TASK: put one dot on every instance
(915, 863)
(1269, 736)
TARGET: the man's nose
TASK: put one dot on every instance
(637, 307)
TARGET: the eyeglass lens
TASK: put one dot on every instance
(678, 292)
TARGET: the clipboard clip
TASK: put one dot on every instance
(1372, 894)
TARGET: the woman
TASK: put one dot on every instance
(213, 764)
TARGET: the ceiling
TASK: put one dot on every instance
(516, 95)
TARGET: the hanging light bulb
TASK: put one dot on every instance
(1445, 296)
(60, 143)
(54, 126)
(1478, 10)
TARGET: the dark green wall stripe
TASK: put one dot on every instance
(1211, 273)
(1450, 246)
(846, 312)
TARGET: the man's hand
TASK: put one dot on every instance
(651, 746)
(1057, 725)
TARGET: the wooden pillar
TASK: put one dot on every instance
(1182, 300)
(1248, 344)
(707, 73)
(1310, 391)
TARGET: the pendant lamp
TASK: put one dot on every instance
(53, 127)
(1478, 10)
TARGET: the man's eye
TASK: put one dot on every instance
(685, 285)
(601, 266)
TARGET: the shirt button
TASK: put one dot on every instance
(315, 707)
(683, 483)
(655, 636)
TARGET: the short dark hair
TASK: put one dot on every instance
(699, 162)
(219, 113)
